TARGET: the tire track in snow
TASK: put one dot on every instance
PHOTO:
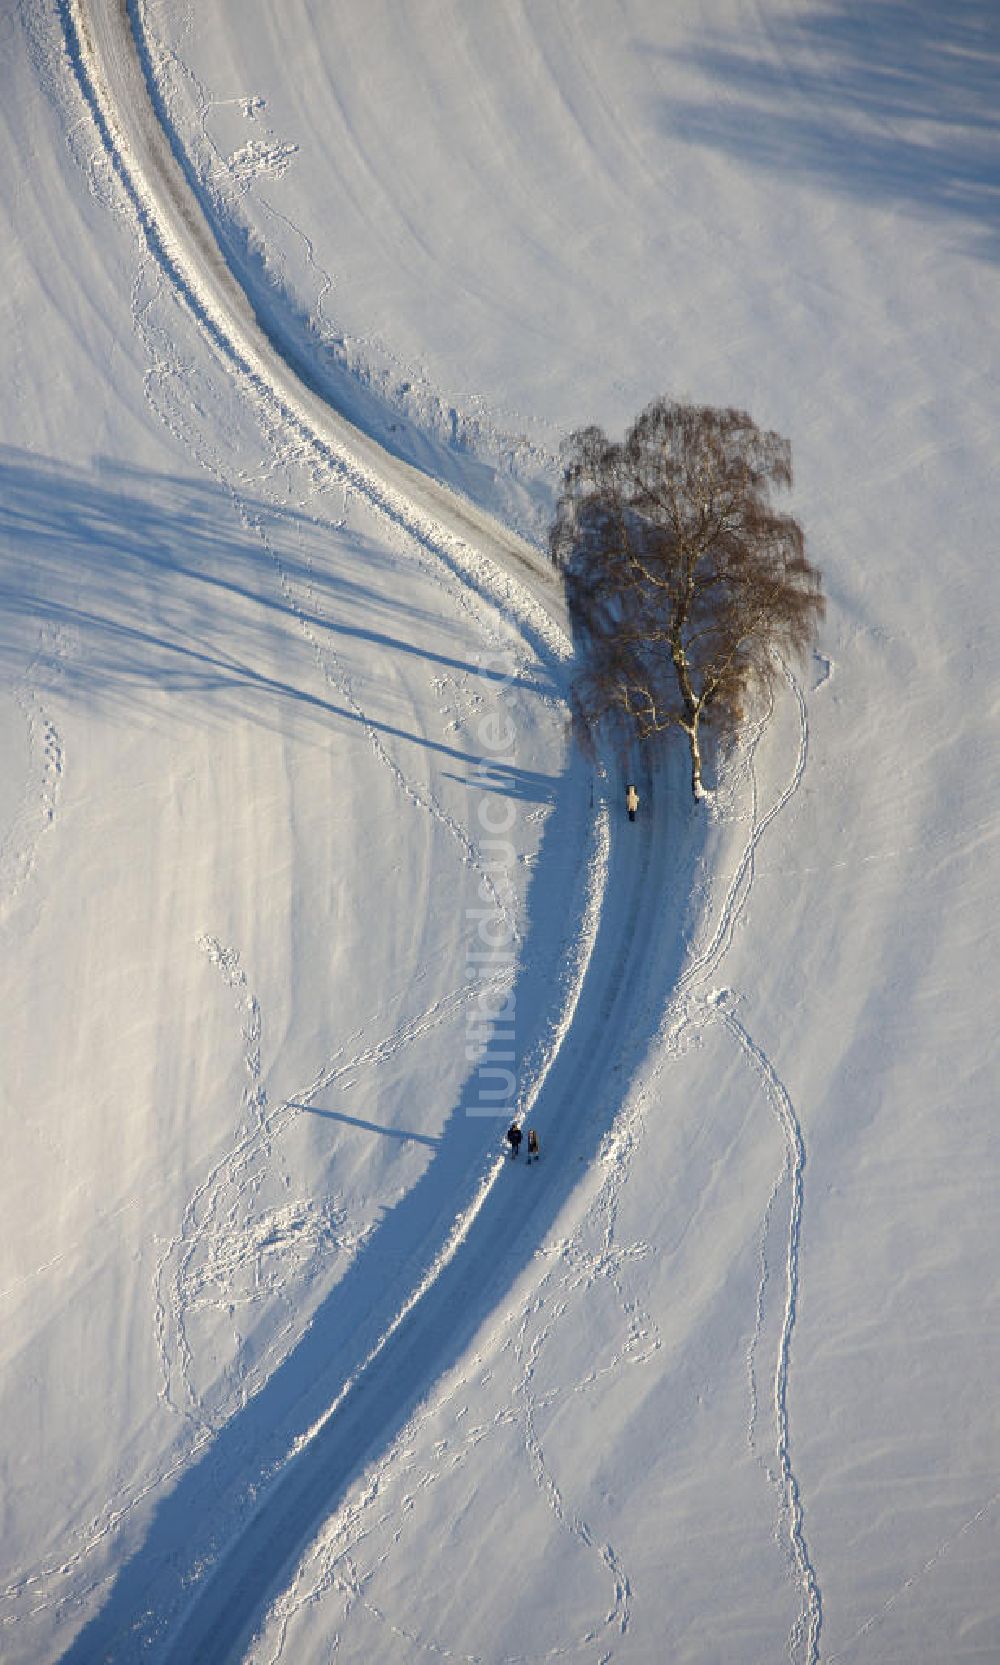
(437, 536)
(401, 387)
(273, 1540)
(452, 547)
(166, 368)
(331, 1564)
(212, 1627)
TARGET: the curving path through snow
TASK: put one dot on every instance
(165, 1595)
(198, 1590)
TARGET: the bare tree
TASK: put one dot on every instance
(684, 584)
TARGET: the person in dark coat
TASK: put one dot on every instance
(514, 1138)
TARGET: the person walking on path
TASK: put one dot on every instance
(532, 1145)
(631, 801)
(514, 1138)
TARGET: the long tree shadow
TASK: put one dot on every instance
(894, 101)
(99, 558)
(146, 575)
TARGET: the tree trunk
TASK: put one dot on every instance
(691, 730)
(692, 709)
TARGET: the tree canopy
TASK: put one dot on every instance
(685, 586)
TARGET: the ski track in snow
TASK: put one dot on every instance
(849, 1649)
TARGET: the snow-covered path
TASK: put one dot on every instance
(471, 1261)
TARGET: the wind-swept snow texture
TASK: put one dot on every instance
(298, 303)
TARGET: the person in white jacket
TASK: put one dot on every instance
(631, 801)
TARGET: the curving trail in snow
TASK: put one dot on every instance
(619, 949)
(206, 1608)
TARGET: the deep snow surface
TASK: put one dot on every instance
(288, 1352)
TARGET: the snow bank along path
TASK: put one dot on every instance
(103, 53)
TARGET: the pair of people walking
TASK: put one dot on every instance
(514, 1137)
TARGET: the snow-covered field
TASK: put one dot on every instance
(298, 302)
